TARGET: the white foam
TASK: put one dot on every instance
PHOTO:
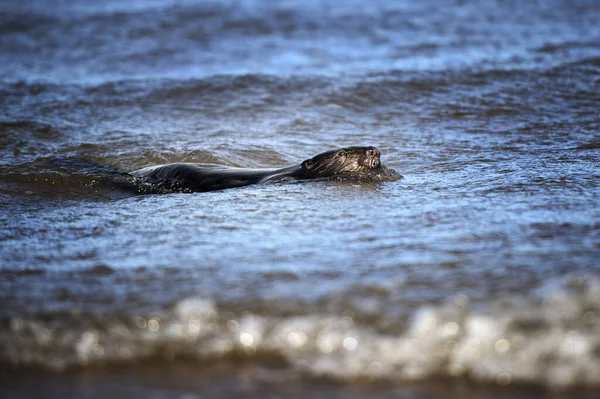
(550, 339)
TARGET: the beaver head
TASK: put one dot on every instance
(347, 161)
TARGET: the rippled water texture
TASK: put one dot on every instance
(476, 275)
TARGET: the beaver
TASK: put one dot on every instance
(351, 163)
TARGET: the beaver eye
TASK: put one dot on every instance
(341, 153)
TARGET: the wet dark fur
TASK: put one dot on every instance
(361, 163)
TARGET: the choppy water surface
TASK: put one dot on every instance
(475, 275)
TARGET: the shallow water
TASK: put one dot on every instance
(475, 275)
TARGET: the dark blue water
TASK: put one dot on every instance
(475, 275)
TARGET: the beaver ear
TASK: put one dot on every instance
(307, 164)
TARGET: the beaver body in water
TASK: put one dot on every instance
(352, 163)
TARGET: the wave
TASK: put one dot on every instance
(551, 339)
(110, 42)
(259, 89)
(16, 131)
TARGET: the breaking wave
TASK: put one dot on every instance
(551, 339)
